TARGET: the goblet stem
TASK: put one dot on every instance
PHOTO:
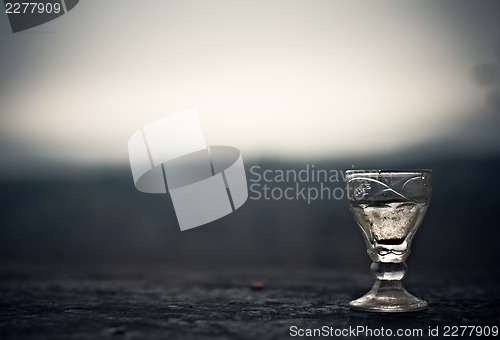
(388, 293)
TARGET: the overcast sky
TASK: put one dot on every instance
(285, 77)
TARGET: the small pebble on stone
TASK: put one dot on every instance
(257, 285)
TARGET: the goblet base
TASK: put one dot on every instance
(388, 296)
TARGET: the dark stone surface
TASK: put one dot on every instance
(155, 302)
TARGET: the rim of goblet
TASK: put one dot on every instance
(395, 171)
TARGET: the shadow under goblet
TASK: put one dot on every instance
(389, 206)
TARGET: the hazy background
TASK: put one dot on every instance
(338, 84)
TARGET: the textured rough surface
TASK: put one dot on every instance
(155, 302)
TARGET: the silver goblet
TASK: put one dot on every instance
(389, 206)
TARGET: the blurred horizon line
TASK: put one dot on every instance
(404, 158)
